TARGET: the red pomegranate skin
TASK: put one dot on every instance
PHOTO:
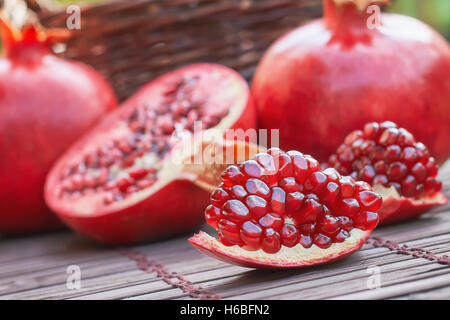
(46, 103)
(333, 75)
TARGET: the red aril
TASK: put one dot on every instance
(138, 192)
(291, 224)
(46, 103)
(398, 167)
(333, 75)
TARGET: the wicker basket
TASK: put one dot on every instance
(133, 41)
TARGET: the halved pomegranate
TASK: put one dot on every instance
(398, 167)
(119, 184)
(279, 210)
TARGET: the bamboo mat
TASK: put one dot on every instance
(412, 260)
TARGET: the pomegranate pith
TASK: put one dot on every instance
(289, 202)
(386, 156)
(120, 184)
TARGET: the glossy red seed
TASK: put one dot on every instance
(138, 174)
(346, 223)
(290, 185)
(271, 242)
(349, 207)
(257, 187)
(271, 220)
(381, 180)
(238, 192)
(366, 220)
(370, 201)
(419, 171)
(300, 166)
(397, 171)
(371, 131)
(219, 196)
(235, 211)
(409, 156)
(347, 187)
(294, 202)
(367, 174)
(289, 235)
(285, 167)
(212, 215)
(380, 167)
(307, 229)
(352, 137)
(389, 137)
(123, 184)
(232, 176)
(331, 193)
(251, 234)
(332, 175)
(431, 167)
(409, 187)
(257, 206)
(278, 200)
(252, 169)
(305, 241)
(309, 213)
(322, 241)
(230, 231)
(329, 225)
(341, 236)
(392, 153)
(316, 182)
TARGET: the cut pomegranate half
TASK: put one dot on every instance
(119, 183)
(398, 167)
(279, 210)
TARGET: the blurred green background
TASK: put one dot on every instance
(434, 12)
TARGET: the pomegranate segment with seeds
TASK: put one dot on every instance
(288, 213)
(119, 184)
(396, 165)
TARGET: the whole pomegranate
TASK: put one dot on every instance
(333, 75)
(45, 104)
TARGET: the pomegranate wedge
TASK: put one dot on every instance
(119, 184)
(279, 210)
(396, 165)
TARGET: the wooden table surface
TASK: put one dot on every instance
(410, 260)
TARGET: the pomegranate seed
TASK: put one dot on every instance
(235, 211)
(294, 202)
(271, 242)
(329, 225)
(316, 182)
(230, 231)
(271, 220)
(322, 241)
(392, 153)
(219, 196)
(251, 234)
(212, 215)
(232, 176)
(346, 223)
(289, 235)
(397, 171)
(238, 192)
(341, 236)
(371, 131)
(350, 207)
(305, 241)
(138, 174)
(278, 200)
(309, 213)
(366, 220)
(409, 186)
(257, 206)
(257, 187)
(370, 200)
(290, 185)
